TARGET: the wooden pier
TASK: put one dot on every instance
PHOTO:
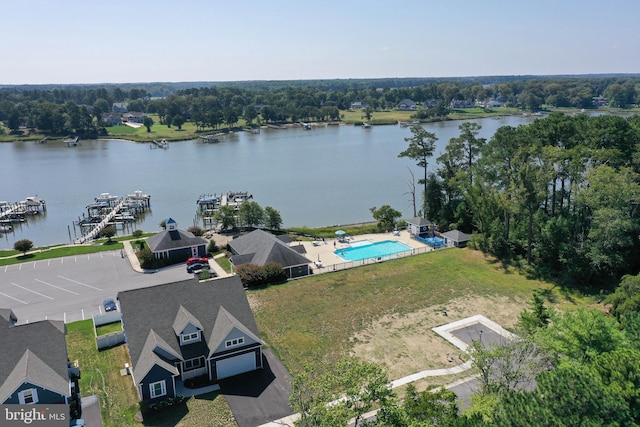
(208, 204)
(18, 212)
(111, 210)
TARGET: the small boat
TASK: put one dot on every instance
(366, 126)
(72, 141)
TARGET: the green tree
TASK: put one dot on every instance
(626, 297)
(537, 317)
(147, 122)
(421, 147)
(178, 120)
(23, 245)
(272, 218)
(433, 407)
(251, 214)
(386, 217)
(109, 231)
(226, 217)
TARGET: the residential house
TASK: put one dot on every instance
(430, 103)
(599, 101)
(358, 105)
(420, 227)
(111, 119)
(458, 238)
(260, 248)
(188, 329)
(34, 364)
(135, 117)
(118, 107)
(176, 245)
(406, 104)
(462, 103)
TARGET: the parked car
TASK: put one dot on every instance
(197, 260)
(193, 267)
(109, 305)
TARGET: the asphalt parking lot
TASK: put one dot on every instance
(73, 288)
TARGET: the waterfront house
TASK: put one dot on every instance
(111, 119)
(135, 117)
(462, 103)
(174, 245)
(34, 366)
(188, 329)
(260, 248)
(357, 105)
(407, 104)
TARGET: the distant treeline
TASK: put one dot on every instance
(78, 109)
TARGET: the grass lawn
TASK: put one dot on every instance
(109, 328)
(313, 320)
(118, 396)
(8, 257)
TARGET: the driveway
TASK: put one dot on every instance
(261, 396)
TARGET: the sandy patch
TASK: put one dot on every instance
(405, 344)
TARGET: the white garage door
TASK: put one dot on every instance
(236, 365)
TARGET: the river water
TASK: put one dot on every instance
(326, 176)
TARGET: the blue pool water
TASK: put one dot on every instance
(372, 250)
(434, 242)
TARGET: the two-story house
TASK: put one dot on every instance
(188, 329)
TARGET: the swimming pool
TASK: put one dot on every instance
(382, 250)
(434, 241)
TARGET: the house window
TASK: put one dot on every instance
(192, 364)
(28, 397)
(234, 342)
(189, 338)
(158, 389)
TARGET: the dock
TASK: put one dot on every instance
(72, 142)
(160, 144)
(108, 209)
(18, 212)
(209, 203)
(208, 139)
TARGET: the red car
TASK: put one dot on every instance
(197, 260)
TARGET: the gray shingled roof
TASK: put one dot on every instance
(35, 353)
(260, 248)
(457, 236)
(171, 240)
(158, 307)
(419, 221)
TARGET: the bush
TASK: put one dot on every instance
(137, 234)
(146, 258)
(212, 247)
(254, 276)
(195, 230)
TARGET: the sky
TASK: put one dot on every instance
(81, 41)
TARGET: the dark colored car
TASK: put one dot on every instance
(193, 267)
(197, 260)
(110, 305)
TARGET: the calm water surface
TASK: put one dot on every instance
(326, 176)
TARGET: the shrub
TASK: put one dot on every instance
(137, 234)
(23, 245)
(253, 276)
(146, 258)
(195, 230)
(212, 247)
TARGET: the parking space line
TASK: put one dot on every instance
(16, 299)
(57, 287)
(27, 289)
(80, 283)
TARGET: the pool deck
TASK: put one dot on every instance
(323, 251)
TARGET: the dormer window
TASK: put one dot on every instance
(189, 338)
(234, 342)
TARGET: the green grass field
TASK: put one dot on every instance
(311, 320)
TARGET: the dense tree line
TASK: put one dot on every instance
(77, 109)
(561, 193)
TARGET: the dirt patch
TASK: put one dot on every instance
(405, 344)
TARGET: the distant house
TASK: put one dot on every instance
(430, 103)
(458, 238)
(118, 107)
(260, 248)
(420, 227)
(492, 104)
(599, 101)
(358, 105)
(135, 117)
(34, 364)
(111, 119)
(188, 329)
(406, 104)
(176, 245)
(462, 103)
